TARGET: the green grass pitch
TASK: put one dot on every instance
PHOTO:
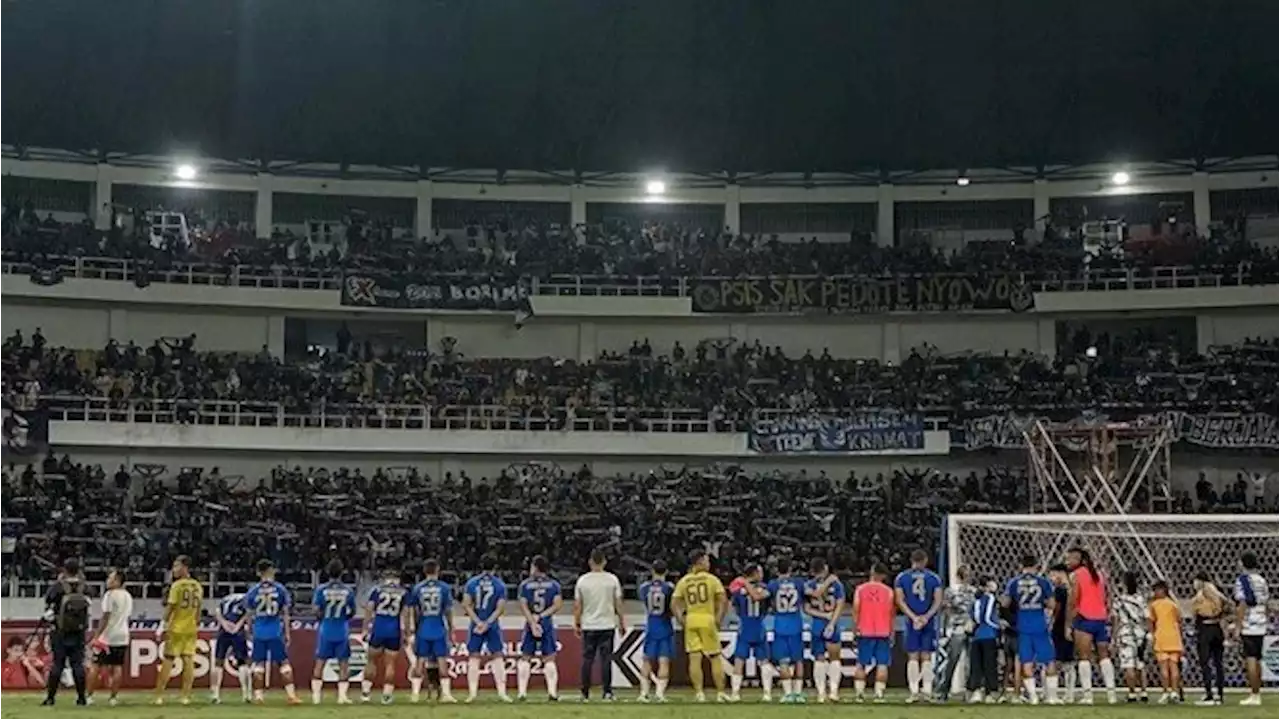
(14, 705)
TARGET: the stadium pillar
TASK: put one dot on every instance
(733, 209)
(263, 208)
(1040, 203)
(101, 210)
(422, 215)
(577, 206)
(885, 236)
(1200, 202)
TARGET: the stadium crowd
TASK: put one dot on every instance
(141, 517)
(508, 246)
(723, 380)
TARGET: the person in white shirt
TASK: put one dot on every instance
(1252, 597)
(111, 641)
(597, 614)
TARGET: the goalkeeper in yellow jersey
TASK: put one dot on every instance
(178, 632)
(699, 602)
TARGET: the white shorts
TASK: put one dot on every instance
(1132, 650)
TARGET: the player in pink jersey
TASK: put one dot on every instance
(1087, 618)
(873, 607)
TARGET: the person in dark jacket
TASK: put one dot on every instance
(67, 616)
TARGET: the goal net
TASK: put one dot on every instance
(1174, 548)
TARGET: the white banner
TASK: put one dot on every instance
(1215, 431)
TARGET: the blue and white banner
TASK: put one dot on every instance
(1214, 431)
(873, 431)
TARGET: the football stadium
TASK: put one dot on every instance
(499, 358)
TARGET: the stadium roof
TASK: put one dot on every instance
(715, 86)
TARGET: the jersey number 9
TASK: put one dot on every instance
(656, 600)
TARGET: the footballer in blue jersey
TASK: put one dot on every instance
(230, 642)
(750, 604)
(336, 603)
(428, 609)
(918, 593)
(786, 602)
(484, 600)
(383, 633)
(540, 599)
(659, 634)
(268, 602)
(1031, 595)
(824, 603)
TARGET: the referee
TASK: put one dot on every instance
(597, 614)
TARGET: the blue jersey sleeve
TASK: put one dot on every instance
(317, 597)
(351, 602)
(837, 590)
(251, 599)
(1011, 590)
(286, 599)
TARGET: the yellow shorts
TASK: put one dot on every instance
(701, 639)
(180, 645)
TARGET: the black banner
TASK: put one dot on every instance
(444, 292)
(26, 431)
(859, 295)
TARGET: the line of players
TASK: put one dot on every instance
(1064, 623)
(396, 618)
(699, 603)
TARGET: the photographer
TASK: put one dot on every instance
(67, 616)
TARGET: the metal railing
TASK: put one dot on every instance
(406, 416)
(294, 278)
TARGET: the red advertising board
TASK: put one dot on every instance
(27, 657)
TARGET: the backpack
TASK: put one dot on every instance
(73, 611)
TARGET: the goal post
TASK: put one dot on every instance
(1171, 547)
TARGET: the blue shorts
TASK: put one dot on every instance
(919, 640)
(488, 643)
(544, 646)
(269, 650)
(873, 652)
(1095, 628)
(385, 642)
(339, 649)
(787, 649)
(659, 647)
(1036, 649)
(431, 649)
(818, 643)
(746, 647)
(234, 644)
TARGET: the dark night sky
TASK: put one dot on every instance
(631, 84)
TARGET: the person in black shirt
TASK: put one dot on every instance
(1064, 649)
(67, 612)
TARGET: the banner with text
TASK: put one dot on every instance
(860, 295)
(1213, 431)
(440, 292)
(23, 433)
(865, 432)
